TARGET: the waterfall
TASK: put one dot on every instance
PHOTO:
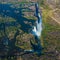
(38, 28)
(36, 31)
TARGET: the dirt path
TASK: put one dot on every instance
(56, 20)
(56, 16)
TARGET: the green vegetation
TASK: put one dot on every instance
(50, 39)
(51, 31)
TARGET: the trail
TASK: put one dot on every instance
(53, 14)
(56, 17)
(56, 20)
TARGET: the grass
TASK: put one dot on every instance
(6, 19)
(50, 33)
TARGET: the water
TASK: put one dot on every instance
(7, 10)
(36, 31)
(38, 28)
